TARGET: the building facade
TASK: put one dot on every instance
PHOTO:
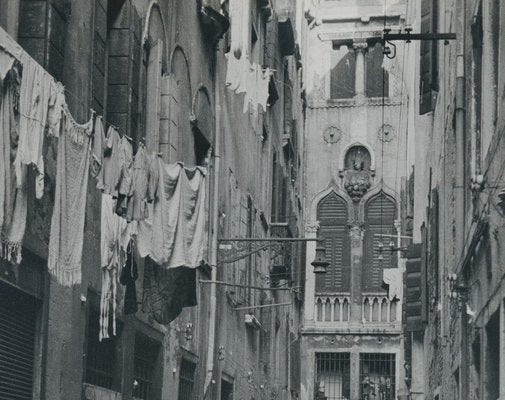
(455, 316)
(358, 130)
(158, 72)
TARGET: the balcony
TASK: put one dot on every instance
(377, 308)
(333, 308)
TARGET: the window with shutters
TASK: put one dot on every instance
(18, 332)
(428, 57)
(332, 215)
(380, 215)
(186, 380)
(101, 356)
(182, 142)
(123, 65)
(42, 32)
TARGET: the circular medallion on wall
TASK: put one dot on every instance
(332, 134)
(386, 133)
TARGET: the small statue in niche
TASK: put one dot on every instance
(357, 176)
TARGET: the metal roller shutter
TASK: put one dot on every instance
(17, 343)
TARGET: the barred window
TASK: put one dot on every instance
(144, 368)
(377, 376)
(333, 376)
(186, 380)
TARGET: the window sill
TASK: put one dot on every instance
(354, 102)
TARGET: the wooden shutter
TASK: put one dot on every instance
(412, 292)
(18, 318)
(164, 138)
(99, 56)
(42, 32)
(428, 57)
(432, 257)
(332, 215)
(380, 214)
(153, 94)
(123, 69)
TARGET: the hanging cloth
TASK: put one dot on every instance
(392, 279)
(176, 235)
(167, 291)
(34, 99)
(114, 238)
(129, 274)
(67, 223)
(13, 198)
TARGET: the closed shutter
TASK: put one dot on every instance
(42, 32)
(18, 314)
(123, 69)
(153, 97)
(380, 214)
(333, 218)
(412, 281)
(428, 57)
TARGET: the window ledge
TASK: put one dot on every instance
(354, 102)
(92, 392)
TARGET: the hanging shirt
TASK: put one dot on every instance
(99, 147)
(111, 168)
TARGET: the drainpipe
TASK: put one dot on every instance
(460, 117)
(214, 244)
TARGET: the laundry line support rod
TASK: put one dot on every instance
(241, 286)
(262, 306)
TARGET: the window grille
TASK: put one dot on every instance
(332, 376)
(186, 380)
(100, 356)
(377, 376)
(146, 358)
(226, 390)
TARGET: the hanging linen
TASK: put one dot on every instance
(175, 236)
(13, 197)
(115, 236)
(99, 142)
(167, 291)
(108, 180)
(140, 190)
(67, 223)
(129, 275)
(392, 279)
(34, 99)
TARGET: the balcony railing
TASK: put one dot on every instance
(377, 308)
(333, 308)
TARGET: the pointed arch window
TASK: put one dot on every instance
(332, 215)
(380, 215)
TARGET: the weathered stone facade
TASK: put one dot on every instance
(356, 157)
(459, 351)
(157, 70)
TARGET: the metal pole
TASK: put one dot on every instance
(241, 286)
(262, 306)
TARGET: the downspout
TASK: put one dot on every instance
(215, 216)
(460, 117)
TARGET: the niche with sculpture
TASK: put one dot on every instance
(357, 173)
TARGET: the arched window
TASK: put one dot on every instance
(332, 215)
(380, 214)
(181, 137)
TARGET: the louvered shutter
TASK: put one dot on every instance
(428, 57)
(333, 218)
(380, 214)
(412, 284)
(153, 97)
(18, 315)
(123, 69)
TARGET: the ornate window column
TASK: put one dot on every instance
(360, 47)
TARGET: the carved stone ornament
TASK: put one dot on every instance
(312, 226)
(386, 133)
(332, 135)
(357, 174)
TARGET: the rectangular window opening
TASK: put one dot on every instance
(377, 376)
(186, 380)
(333, 376)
